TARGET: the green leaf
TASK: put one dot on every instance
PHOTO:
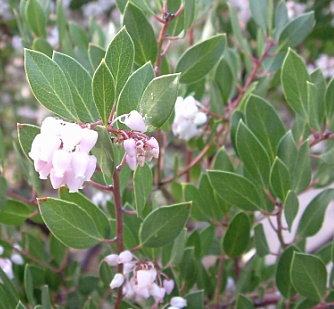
(287, 150)
(61, 21)
(2, 150)
(309, 276)
(253, 154)
(259, 9)
(103, 85)
(69, 223)
(244, 302)
(294, 77)
(263, 120)
(15, 213)
(281, 18)
(42, 46)
(329, 100)
(20, 306)
(163, 225)
(296, 31)
(313, 216)
(78, 35)
(28, 285)
(280, 179)
(261, 244)
(57, 250)
(133, 90)
(178, 248)
(98, 216)
(237, 235)
(283, 276)
(158, 100)
(302, 170)
(142, 34)
(312, 106)
(142, 185)
(198, 210)
(291, 206)
(9, 288)
(103, 151)
(95, 55)
(225, 79)
(195, 300)
(46, 302)
(236, 190)
(49, 85)
(222, 161)
(119, 58)
(318, 79)
(35, 18)
(3, 193)
(80, 83)
(198, 60)
(105, 273)
(26, 135)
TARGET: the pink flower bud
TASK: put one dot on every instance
(36, 147)
(49, 144)
(73, 183)
(17, 259)
(125, 257)
(145, 277)
(131, 161)
(135, 121)
(168, 284)
(56, 182)
(200, 119)
(71, 135)
(157, 292)
(141, 160)
(91, 166)
(88, 140)
(61, 161)
(130, 147)
(79, 162)
(117, 281)
(112, 259)
(7, 267)
(178, 302)
(45, 171)
(39, 164)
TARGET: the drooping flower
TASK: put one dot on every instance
(178, 302)
(135, 121)
(61, 150)
(187, 118)
(117, 281)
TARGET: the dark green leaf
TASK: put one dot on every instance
(42, 46)
(281, 17)
(222, 161)
(142, 34)
(15, 213)
(244, 303)
(57, 250)
(291, 206)
(312, 106)
(309, 276)
(142, 184)
(119, 58)
(46, 302)
(158, 100)
(2, 149)
(80, 82)
(95, 55)
(236, 190)
(313, 217)
(69, 223)
(3, 192)
(103, 85)
(330, 99)
(287, 150)
(237, 235)
(225, 79)
(198, 60)
(20, 306)
(261, 244)
(195, 300)
(178, 248)
(280, 179)
(49, 85)
(164, 224)
(28, 285)
(10, 289)
(302, 170)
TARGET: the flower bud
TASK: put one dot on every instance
(135, 121)
(117, 281)
(2, 250)
(7, 267)
(178, 302)
(200, 119)
(125, 257)
(56, 182)
(145, 277)
(71, 135)
(131, 161)
(168, 284)
(130, 147)
(157, 292)
(61, 161)
(79, 162)
(17, 259)
(73, 183)
(91, 166)
(88, 140)
(112, 259)
(51, 126)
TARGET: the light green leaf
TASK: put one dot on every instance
(287, 150)
(49, 85)
(158, 100)
(133, 90)
(199, 211)
(312, 106)
(142, 34)
(222, 161)
(281, 18)
(296, 31)
(142, 184)
(35, 18)
(261, 244)
(15, 213)
(20, 306)
(57, 250)
(291, 206)
(283, 276)
(302, 170)
(69, 223)
(95, 55)
(253, 154)
(313, 217)
(198, 60)
(80, 83)
(294, 77)
(309, 276)
(259, 9)
(178, 248)
(103, 85)
(43, 46)
(119, 58)
(46, 302)
(61, 21)
(237, 235)
(236, 190)
(280, 179)
(78, 35)
(263, 120)
(163, 225)
(28, 285)
(103, 151)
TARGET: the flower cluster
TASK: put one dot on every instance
(187, 118)
(141, 280)
(6, 264)
(61, 150)
(138, 147)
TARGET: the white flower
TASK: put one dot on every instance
(2, 250)
(187, 118)
(157, 292)
(7, 267)
(178, 302)
(125, 257)
(135, 121)
(17, 259)
(168, 284)
(145, 278)
(112, 259)
(117, 281)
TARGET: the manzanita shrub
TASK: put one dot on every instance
(168, 150)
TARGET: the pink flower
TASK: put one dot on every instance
(135, 122)
(117, 281)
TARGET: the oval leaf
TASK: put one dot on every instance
(142, 184)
